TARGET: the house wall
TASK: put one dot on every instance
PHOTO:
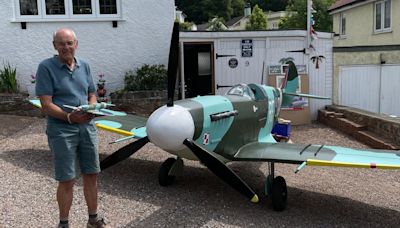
(360, 32)
(360, 27)
(142, 37)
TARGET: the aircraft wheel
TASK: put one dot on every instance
(279, 194)
(163, 177)
(268, 185)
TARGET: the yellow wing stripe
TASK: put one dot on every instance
(115, 130)
(313, 162)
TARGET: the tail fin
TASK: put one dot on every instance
(291, 81)
(290, 86)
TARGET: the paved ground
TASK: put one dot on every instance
(131, 197)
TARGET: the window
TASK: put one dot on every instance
(82, 7)
(383, 11)
(342, 26)
(64, 10)
(55, 7)
(28, 7)
(108, 7)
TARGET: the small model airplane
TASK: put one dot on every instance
(98, 109)
(236, 127)
(216, 130)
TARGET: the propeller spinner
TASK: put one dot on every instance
(168, 127)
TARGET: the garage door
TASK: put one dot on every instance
(371, 87)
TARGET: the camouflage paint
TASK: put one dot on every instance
(196, 110)
(245, 127)
(265, 132)
(215, 129)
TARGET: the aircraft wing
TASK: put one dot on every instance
(319, 155)
(127, 124)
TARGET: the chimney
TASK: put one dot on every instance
(247, 10)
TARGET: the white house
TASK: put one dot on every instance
(114, 36)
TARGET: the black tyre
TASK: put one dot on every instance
(279, 194)
(163, 177)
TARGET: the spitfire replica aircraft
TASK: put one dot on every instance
(235, 127)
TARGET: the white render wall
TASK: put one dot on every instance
(142, 37)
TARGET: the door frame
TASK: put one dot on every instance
(182, 63)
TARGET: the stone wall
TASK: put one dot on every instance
(380, 124)
(139, 102)
(142, 103)
(17, 104)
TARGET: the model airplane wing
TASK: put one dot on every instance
(319, 155)
(114, 121)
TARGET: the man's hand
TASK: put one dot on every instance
(77, 116)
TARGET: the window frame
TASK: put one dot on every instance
(68, 16)
(342, 34)
(382, 4)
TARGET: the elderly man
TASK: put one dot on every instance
(66, 79)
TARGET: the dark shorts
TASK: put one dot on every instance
(73, 145)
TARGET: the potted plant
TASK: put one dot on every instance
(31, 86)
(101, 91)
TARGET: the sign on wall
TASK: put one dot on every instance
(280, 69)
(233, 63)
(247, 48)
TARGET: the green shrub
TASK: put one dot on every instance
(147, 77)
(8, 79)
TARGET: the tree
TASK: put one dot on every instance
(216, 24)
(297, 18)
(270, 5)
(238, 8)
(258, 20)
(200, 11)
(203, 10)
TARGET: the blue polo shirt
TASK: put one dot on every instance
(54, 78)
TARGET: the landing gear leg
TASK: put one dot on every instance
(169, 169)
(276, 188)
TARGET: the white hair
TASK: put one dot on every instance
(64, 29)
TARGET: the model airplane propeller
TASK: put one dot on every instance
(216, 130)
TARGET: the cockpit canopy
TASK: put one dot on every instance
(252, 91)
(242, 90)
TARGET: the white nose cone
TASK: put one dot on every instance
(167, 127)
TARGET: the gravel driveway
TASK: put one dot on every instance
(130, 195)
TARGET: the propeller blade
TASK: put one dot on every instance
(123, 153)
(173, 64)
(221, 170)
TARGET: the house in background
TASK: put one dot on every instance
(274, 18)
(366, 53)
(114, 36)
(180, 16)
(240, 22)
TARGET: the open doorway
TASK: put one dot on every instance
(198, 69)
